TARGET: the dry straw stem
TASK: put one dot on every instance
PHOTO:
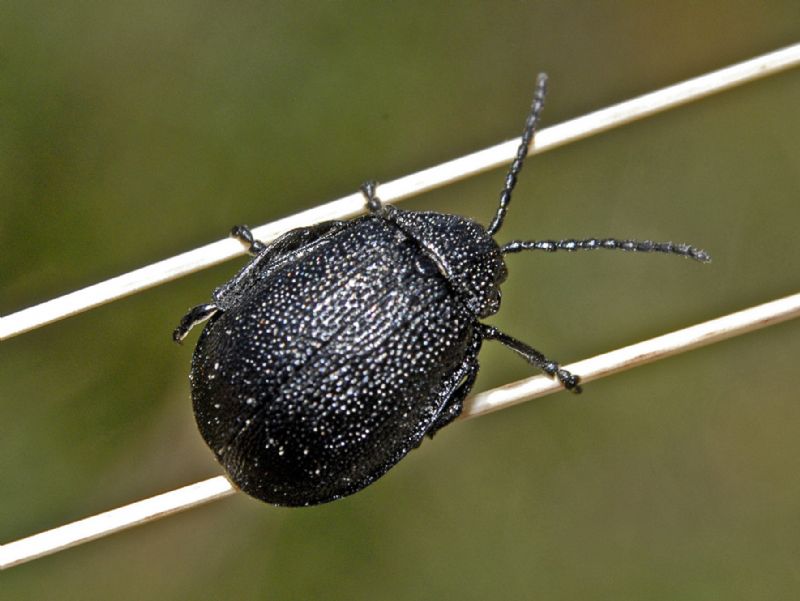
(399, 189)
(100, 525)
(171, 502)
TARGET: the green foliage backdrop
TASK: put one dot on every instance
(131, 131)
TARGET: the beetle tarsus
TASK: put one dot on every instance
(374, 204)
(243, 234)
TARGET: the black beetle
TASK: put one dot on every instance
(339, 346)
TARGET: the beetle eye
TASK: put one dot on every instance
(424, 265)
(492, 302)
(501, 273)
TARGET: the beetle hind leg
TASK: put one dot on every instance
(196, 315)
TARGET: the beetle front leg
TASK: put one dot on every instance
(568, 380)
(196, 315)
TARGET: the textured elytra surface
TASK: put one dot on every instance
(330, 361)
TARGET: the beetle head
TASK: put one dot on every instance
(465, 253)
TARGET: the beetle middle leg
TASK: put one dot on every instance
(455, 403)
(534, 357)
(461, 382)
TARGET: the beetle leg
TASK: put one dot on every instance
(243, 234)
(460, 384)
(374, 204)
(534, 357)
(455, 403)
(196, 315)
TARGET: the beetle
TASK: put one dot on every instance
(340, 346)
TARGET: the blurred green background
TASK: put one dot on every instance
(132, 131)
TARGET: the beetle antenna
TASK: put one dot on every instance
(647, 246)
(516, 166)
